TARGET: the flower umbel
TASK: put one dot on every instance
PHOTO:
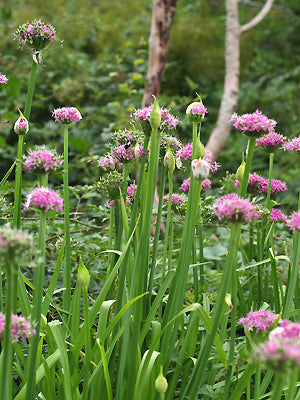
(21, 328)
(36, 34)
(196, 111)
(3, 79)
(44, 199)
(294, 221)
(255, 124)
(42, 161)
(260, 320)
(14, 242)
(271, 142)
(66, 115)
(233, 207)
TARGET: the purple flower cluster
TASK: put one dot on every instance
(14, 242)
(42, 160)
(255, 124)
(177, 200)
(233, 207)
(131, 190)
(20, 327)
(271, 142)
(260, 320)
(196, 111)
(142, 115)
(44, 199)
(108, 162)
(66, 115)
(21, 125)
(36, 34)
(125, 146)
(282, 349)
(3, 79)
(185, 186)
(294, 221)
(185, 153)
(277, 215)
(258, 185)
(292, 145)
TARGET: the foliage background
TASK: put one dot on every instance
(102, 65)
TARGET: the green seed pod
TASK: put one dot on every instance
(161, 384)
(199, 149)
(83, 275)
(155, 116)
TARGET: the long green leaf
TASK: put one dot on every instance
(4, 179)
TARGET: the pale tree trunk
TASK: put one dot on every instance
(220, 133)
(163, 14)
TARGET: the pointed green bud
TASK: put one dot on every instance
(155, 116)
(161, 384)
(240, 172)
(199, 149)
(83, 275)
(169, 160)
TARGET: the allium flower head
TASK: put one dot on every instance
(14, 243)
(142, 115)
(21, 328)
(178, 202)
(277, 186)
(292, 145)
(44, 199)
(108, 162)
(233, 207)
(3, 79)
(294, 221)
(271, 142)
(185, 186)
(123, 147)
(185, 153)
(35, 34)
(259, 185)
(255, 124)
(277, 215)
(109, 185)
(66, 115)
(131, 191)
(200, 169)
(21, 125)
(260, 320)
(196, 111)
(42, 161)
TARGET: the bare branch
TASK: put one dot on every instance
(258, 18)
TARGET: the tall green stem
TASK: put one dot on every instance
(271, 160)
(38, 283)
(243, 187)
(67, 261)
(277, 387)
(87, 346)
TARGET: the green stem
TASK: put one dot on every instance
(18, 185)
(87, 345)
(67, 261)
(201, 254)
(277, 388)
(30, 90)
(243, 187)
(197, 376)
(38, 283)
(271, 160)
(257, 382)
(292, 384)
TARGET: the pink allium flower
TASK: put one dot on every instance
(271, 142)
(20, 327)
(169, 141)
(258, 185)
(294, 221)
(3, 79)
(66, 115)
(255, 124)
(109, 162)
(185, 153)
(196, 111)
(131, 190)
(177, 200)
(292, 145)
(260, 320)
(14, 242)
(44, 199)
(36, 34)
(286, 330)
(277, 186)
(233, 207)
(21, 125)
(142, 115)
(42, 160)
(185, 186)
(125, 146)
(277, 215)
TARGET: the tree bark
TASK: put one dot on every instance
(163, 14)
(221, 132)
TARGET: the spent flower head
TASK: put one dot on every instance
(255, 124)
(233, 207)
(41, 160)
(44, 199)
(35, 34)
(270, 142)
(3, 79)
(21, 328)
(66, 115)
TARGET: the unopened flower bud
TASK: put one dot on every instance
(240, 172)
(196, 111)
(44, 323)
(200, 169)
(161, 384)
(21, 125)
(155, 116)
(83, 275)
(199, 149)
(169, 160)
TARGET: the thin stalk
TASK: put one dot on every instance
(257, 381)
(30, 90)
(251, 146)
(271, 160)
(292, 384)
(67, 261)
(38, 283)
(18, 185)
(7, 352)
(197, 376)
(277, 387)
(259, 267)
(195, 273)
(87, 345)
(201, 255)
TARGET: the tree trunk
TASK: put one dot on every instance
(163, 14)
